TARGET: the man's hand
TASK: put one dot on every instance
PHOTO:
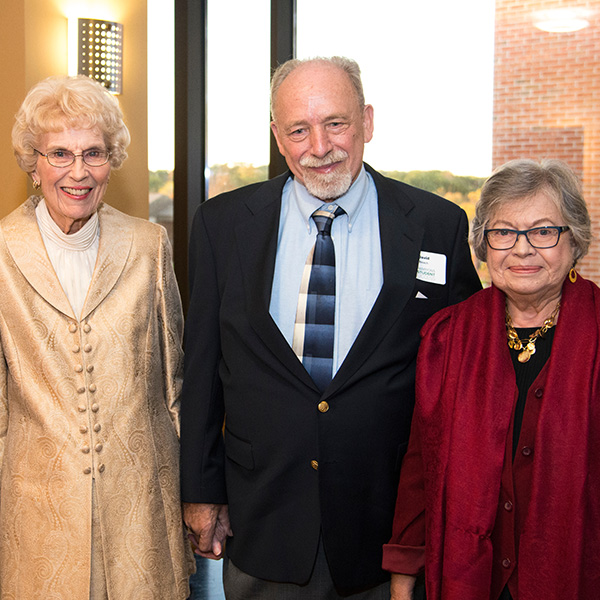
(402, 586)
(209, 527)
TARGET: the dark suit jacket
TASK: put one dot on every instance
(286, 469)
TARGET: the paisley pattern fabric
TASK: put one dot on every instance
(94, 399)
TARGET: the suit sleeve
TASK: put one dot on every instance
(202, 409)
(170, 323)
(462, 275)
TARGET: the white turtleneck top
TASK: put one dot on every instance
(73, 256)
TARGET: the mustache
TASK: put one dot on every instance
(330, 158)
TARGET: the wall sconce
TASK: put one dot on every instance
(99, 51)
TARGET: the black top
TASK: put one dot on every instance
(526, 374)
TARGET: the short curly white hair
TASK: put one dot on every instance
(75, 102)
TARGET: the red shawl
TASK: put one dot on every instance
(465, 395)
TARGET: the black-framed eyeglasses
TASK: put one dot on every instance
(65, 158)
(538, 237)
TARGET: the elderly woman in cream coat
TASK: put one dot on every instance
(90, 370)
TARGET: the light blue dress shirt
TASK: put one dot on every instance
(359, 269)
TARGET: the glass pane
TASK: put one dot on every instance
(161, 111)
(238, 53)
(427, 69)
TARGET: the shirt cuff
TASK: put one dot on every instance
(408, 560)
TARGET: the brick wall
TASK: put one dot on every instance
(547, 97)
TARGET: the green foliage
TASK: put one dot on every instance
(442, 183)
(230, 177)
(157, 179)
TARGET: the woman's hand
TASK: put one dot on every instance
(402, 586)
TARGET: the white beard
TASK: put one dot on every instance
(327, 186)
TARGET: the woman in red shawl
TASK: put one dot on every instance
(499, 494)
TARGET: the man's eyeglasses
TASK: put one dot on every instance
(65, 158)
(538, 237)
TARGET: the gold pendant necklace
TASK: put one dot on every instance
(526, 348)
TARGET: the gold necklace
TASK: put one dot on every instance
(527, 347)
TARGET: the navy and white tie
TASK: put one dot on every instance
(315, 316)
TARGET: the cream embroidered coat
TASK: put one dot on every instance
(90, 398)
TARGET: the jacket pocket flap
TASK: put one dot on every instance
(239, 451)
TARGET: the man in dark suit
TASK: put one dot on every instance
(305, 476)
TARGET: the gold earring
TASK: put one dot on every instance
(37, 184)
(573, 275)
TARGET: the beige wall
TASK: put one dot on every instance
(33, 45)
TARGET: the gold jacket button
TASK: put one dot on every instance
(95, 407)
(89, 368)
(75, 349)
(86, 449)
(83, 429)
(314, 464)
(87, 470)
(101, 468)
(98, 447)
(87, 328)
(87, 348)
(81, 408)
(93, 388)
(72, 328)
(97, 427)
(79, 368)
(323, 406)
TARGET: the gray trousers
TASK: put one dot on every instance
(241, 586)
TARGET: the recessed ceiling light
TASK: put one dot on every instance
(562, 20)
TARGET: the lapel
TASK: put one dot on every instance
(25, 245)
(116, 240)
(400, 247)
(400, 250)
(257, 240)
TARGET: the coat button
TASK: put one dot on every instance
(81, 408)
(508, 506)
(79, 368)
(87, 328)
(92, 388)
(101, 468)
(314, 464)
(80, 390)
(72, 328)
(95, 407)
(89, 368)
(98, 447)
(506, 563)
(323, 406)
(526, 451)
(83, 429)
(87, 348)
(75, 349)
(86, 450)
(97, 427)
(539, 392)
(87, 470)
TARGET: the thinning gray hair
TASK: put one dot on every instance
(349, 66)
(518, 181)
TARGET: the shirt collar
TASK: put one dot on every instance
(351, 201)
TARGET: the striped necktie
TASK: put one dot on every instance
(315, 316)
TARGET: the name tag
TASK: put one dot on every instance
(432, 268)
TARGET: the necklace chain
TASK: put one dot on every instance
(526, 348)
